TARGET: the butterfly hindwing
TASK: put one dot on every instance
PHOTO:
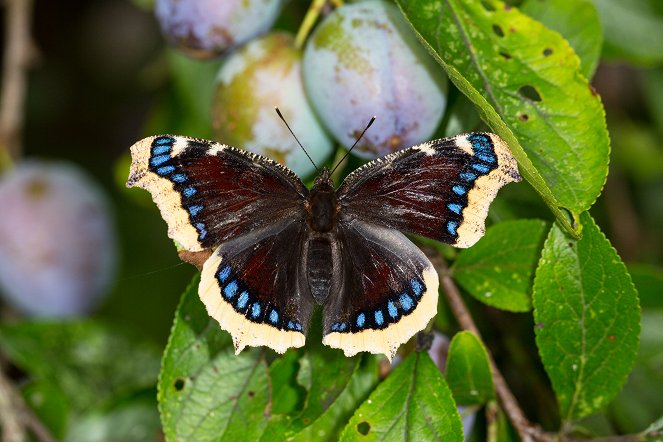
(251, 285)
(390, 291)
(441, 189)
(208, 192)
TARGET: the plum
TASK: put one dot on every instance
(264, 74)
(57, 241)
(209, 28)
(364, 60)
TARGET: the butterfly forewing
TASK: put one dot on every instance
(209, 193)
(441, 189)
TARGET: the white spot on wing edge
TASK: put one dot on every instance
(387, 341)
(244, 332)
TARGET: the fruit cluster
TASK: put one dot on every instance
(361, 60)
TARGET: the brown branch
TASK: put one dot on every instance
(527, 431)
(17, 58)
(16, 418)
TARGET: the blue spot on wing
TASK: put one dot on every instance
(194, 210)
(273, 316)
(459, 190)
(159, 160)
(163, 140)
(406, 302)
(417, 287)
(190, 191)
(451, 227)
(379, 319)
(291, 325)
(343, 326)
(468, 176)
(255, 310)
(485, 157)
(361, 320)
(391, 308)
(230, 289)
(481, 168)
(243, 299)
(456, 208)
(165, 170)
(179, 178)
(224, 273)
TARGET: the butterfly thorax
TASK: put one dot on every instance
(322, 204)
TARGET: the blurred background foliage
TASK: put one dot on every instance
(102, 78)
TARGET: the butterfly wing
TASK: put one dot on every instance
(389, 292)
(251, 285)
(208, 192)
(441, 189)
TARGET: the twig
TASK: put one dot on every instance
(527, 431)
(16, 417)
(17, 57)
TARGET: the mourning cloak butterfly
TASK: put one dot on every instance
(280, 248)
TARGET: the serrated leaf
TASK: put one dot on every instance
(90, 363)
(632, 30)
(577, 21)
(587, 319)
(499, 269)
(328, 426)
(413, 403)
(335, 385)
(468, 370)
(526, 81)
(206, 392)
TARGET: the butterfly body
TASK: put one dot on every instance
(280, 248)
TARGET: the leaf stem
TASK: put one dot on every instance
(527, 431)
(310, 18)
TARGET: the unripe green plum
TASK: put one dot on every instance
(209, 28)
(264, 74)
(57, 241)
(363, 60)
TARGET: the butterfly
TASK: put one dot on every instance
(280, 248)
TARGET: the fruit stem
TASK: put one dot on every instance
(309, 20)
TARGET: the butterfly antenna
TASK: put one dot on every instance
(295, 137)
(353, 146)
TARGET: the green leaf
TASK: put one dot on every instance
(49, 404)
(413, 403)
(468, 370)
(133, 422)
(639, 403)
(526, 81)
(91, 363)
(288, 394)
(499, 269)
(587, 319)
(335, 385)
(577, 21)
(206, 392)
(328, 426)
(632, 30)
